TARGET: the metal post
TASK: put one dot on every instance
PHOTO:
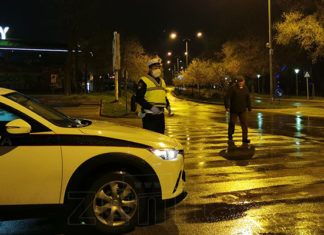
(126, 83)
(270, 50)
(187, 53)
(307, 88)
(259, 85)
(296, 84)
(178, 65)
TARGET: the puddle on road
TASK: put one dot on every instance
(279, 124)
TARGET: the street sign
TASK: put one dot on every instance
(307, 75)
(279, 92)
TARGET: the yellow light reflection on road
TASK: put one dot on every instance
(201, 163)
(247, 226)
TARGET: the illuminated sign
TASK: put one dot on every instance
(3, 32)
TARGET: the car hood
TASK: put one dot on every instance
(129, 133)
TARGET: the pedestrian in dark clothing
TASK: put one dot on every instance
(151, 95)
(237, 101)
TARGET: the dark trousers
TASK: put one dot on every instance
(243, 120)
(154, 122)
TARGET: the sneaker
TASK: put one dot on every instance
(247, 141)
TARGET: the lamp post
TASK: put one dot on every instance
(187, 52)
(186, 40)
(269, 44)
(258, 76)
(297, 71)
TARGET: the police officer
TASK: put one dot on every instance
(151, 96)
(237, 101)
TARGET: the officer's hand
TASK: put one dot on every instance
(227, 109)
(155, 110)
(169, 110)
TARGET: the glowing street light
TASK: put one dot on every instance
(297, 71)
(168, 62)
(169, 53)
(186, 40)
(173, 35)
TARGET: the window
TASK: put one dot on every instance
(8, 114)
(43, 110)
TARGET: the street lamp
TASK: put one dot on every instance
(258, 76)
(173, 35)
(187, 52)
(296, 72)
(186, 40)
(169, 53)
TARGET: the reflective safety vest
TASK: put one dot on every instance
(155, 92)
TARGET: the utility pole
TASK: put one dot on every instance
(187, 53)
(116, 61)
(296, 84)
(270, 50)
(126, 83)
(178, 65)
(307, 87)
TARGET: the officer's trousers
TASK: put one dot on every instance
(243, 120)
(154, 122)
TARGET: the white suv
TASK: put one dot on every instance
(47, 158)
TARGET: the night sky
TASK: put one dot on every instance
(149, 21)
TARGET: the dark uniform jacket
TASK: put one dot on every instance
(238, 99)
(140, 94)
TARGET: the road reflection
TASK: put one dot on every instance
(297, 126)
(238, 153)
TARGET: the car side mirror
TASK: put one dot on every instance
(17, 127)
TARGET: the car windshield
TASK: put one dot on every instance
(50, 114)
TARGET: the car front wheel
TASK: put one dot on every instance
(112, 206)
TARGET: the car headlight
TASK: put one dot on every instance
(165, 154)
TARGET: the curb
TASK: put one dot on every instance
(220, 103)
(128, 115)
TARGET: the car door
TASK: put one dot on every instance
(30, 164)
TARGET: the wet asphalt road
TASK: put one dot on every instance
(275, 185)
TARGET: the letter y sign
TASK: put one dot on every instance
(3, 32)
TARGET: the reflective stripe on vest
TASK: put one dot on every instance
(155, 92)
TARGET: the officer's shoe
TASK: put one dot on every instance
(246, 141)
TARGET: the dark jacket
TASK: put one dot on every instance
(140, 94)
(237, 99)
